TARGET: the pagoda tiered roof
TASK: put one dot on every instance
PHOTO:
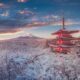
(63, 31)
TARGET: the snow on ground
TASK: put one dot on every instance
(30, 59)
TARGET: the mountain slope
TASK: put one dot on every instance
(28, 58)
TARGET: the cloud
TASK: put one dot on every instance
(25, 11)
(16, 25)
(9, 30)
(51, 20)
(10, 26)
(2, 5)
(6, 13)
(22, 1)
(39, 24)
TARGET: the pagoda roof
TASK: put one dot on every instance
(65, 31)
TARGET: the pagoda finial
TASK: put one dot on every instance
(63, 23)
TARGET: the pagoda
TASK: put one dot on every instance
(64, 40)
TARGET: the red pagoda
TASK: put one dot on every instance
(64, 40)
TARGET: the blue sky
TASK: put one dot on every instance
(37, 17)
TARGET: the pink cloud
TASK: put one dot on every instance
(1, 4)
(22, 1)
(39, 24)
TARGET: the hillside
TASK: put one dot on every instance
(28, 58)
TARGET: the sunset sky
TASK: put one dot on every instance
(37, 17)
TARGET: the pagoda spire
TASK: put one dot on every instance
(63, 23)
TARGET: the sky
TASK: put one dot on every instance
(37, 17)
